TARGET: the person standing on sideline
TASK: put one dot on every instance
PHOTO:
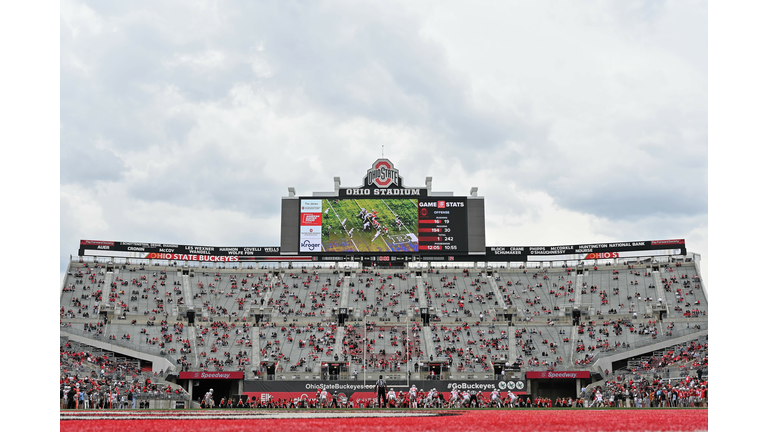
(381, 391)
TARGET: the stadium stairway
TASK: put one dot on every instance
(429, 343)
(255, 348)
(421, 291)
(659, 288)
(577, 290)
(108, 279)
(192, 337)
(338, 344)
(497, 297)
(344, 301)
(570, 354)
(276, 280)
(187, 289)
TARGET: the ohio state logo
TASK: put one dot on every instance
(383, 174)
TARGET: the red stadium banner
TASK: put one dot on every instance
(210, 375)
(667, 242)
(192, 257)
(557, 374)
(96, 243)
(602, 255)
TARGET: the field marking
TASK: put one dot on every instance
(245, 414)
(382, 237)
(342, 228)
(406, 228)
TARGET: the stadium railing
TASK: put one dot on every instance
(121, 343)
(703, 326)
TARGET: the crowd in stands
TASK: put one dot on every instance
(473, 339)
(91, 381)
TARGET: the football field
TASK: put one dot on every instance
(370, 225)
(388, 420)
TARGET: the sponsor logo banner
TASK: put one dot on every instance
(586, 251)
(310, 232)
(192, 257)
(311, 206)
(141, 250)
(667, 242)
(97, 242)
(310, 245)
(557, 374)
(314, 219)
(517, 386)
(210, 375)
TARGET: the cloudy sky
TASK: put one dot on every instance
(186, 121)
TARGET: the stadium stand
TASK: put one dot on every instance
(133, 328)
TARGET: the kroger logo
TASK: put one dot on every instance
(308, 245)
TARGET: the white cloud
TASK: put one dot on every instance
(579, 123)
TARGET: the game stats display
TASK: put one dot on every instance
(383, 225)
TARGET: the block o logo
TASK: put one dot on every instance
(383, 174)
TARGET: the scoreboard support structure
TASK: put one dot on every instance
(384, 224)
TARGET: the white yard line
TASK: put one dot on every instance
(342, 227)
(406, 228)
(382, 237)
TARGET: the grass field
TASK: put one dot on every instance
(506, 420)
(340, 217)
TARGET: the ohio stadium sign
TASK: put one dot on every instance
(382, 179)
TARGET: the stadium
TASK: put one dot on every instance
(383, 280)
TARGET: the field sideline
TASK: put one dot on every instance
(387, 420)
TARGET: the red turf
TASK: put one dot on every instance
(632, 420)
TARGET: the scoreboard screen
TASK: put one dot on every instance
(443, 225)
(383, 225)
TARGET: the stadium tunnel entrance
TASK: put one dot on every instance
(222, 388)
(557, 388)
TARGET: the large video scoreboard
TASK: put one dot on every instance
(383, 225)
(383, 218)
